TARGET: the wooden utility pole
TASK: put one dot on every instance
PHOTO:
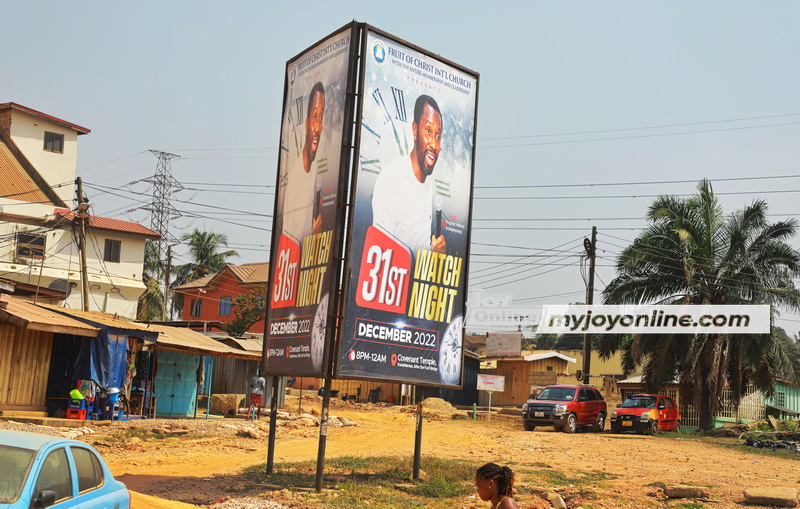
(591, 249)
(166, 283)
(83, 217)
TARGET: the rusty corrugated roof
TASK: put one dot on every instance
(29, 316)
(15, 183)
(105, 320)
(197, 283)
(180, 339)
(107, 223)
(247, 274)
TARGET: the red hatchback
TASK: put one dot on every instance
(646, 413)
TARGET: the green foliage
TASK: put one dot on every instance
(688, 505)
(204, 248)
(247, 309)
(693, 254)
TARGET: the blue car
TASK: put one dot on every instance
(46, 471)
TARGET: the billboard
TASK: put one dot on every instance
(494, 383)
(409, 230)
(507, 344)
(305, 234)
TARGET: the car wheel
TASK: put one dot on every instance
(678, 427)
(600, 424)
(571, 425)
(653, 428)
(528, 427)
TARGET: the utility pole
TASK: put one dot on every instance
(83, 218)
(166, 282)
(591, 249)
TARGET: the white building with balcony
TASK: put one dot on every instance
(39, 253)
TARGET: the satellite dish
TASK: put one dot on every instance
(61, 285)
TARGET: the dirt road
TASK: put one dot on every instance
(200, 468)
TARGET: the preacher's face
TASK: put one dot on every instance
(427, 138)
(314, 123)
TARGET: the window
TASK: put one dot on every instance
(54, 142)
(780, 398)
(55, 475)
(90, 474)
(224, 306)
(196, 308)
(30, 246)
(111, 251)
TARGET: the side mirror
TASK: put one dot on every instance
(619, 405)
(44, 498)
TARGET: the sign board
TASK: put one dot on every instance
(306, 223)
(410, 227)
(493, 383)
(504, 344)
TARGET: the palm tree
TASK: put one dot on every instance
(206, 259)
(151, 302)
(692, 254)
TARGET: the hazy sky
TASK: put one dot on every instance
(571, 93)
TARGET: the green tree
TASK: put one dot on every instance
(248, 309)
(204, 249)
(151, 302)
(690, 253)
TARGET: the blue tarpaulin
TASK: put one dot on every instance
(103, 359)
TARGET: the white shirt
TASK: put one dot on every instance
(402, 205)
(298, 201)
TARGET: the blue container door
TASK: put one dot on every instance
(176, 384)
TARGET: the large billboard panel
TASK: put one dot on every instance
(305, 224)
(409, 241)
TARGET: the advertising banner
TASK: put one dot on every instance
(409, 244)
(304, 233)
(494, 383)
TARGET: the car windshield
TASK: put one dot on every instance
(14, 465)
(639, 403)
(557, 394)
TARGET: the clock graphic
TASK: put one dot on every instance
(386, 128)
(318, 333)
(450, 352)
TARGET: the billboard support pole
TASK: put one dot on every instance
(418, 442)
(273, 421)
(323, 434)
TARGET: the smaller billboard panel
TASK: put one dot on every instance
(504, 344)
(494, 383)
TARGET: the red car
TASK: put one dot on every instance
(565, 407)
(646, 413)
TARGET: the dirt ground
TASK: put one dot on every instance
(198, 465)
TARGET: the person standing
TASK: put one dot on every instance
(257, 385)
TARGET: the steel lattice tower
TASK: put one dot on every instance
(161, 209)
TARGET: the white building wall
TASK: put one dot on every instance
(113, 287)
(27, 132)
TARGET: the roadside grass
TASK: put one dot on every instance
(380, 482)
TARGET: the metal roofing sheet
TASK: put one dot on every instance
(15, 183)
(180, 339)
(33, 317)
(105, 320)
(107, 223)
